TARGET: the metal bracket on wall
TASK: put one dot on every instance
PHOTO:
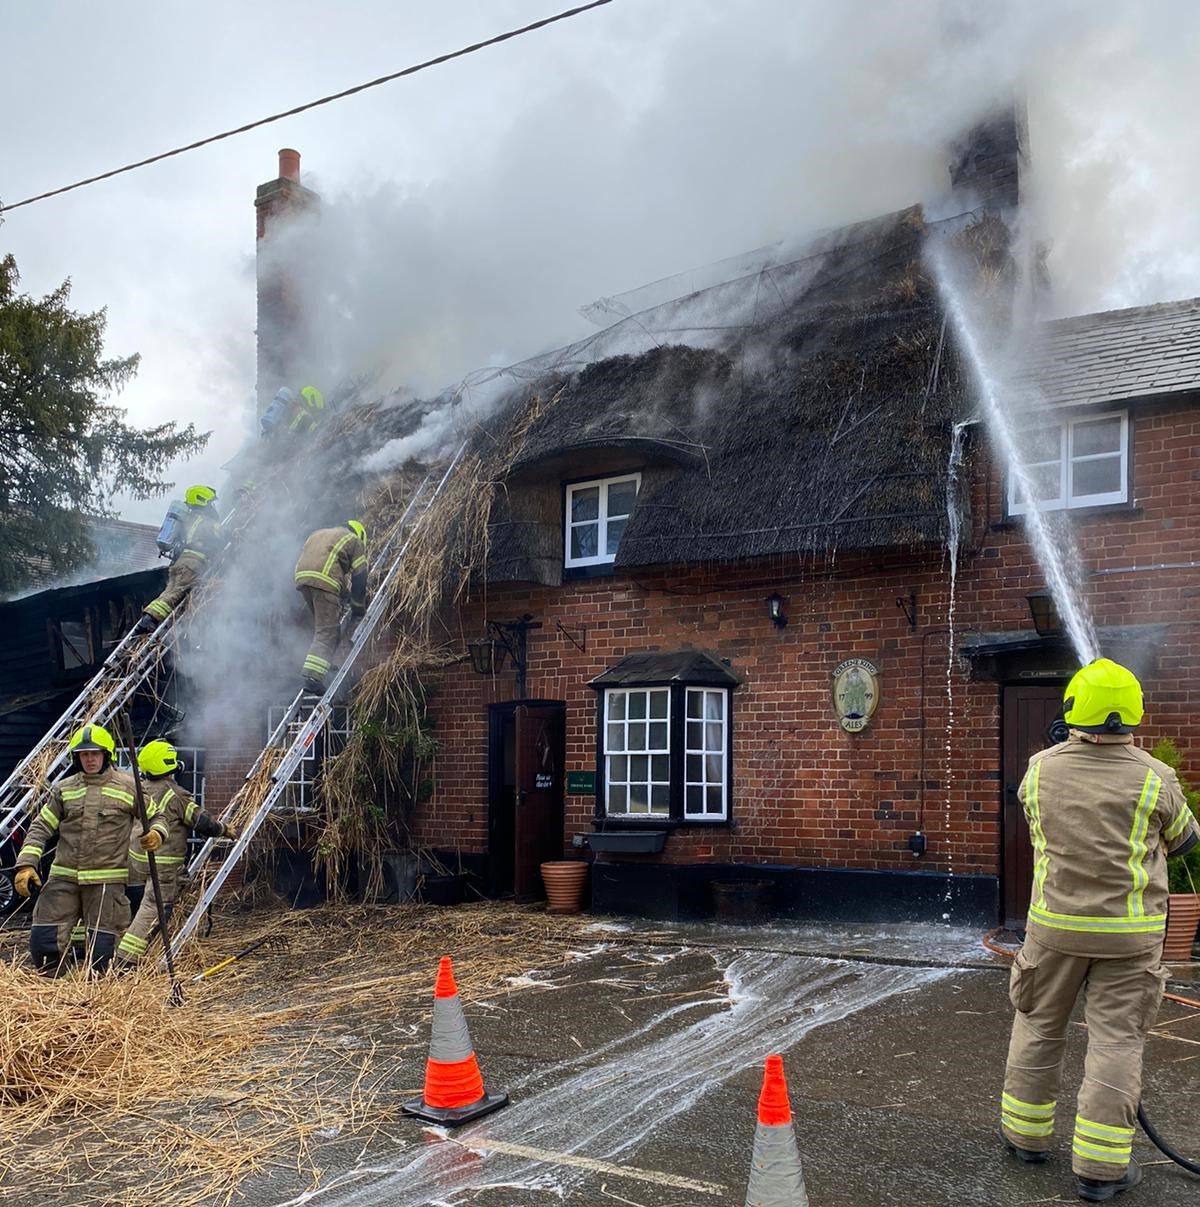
(578, 638)
(909, 608)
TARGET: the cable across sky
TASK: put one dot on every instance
(507, 36)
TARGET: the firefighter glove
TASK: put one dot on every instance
(229, 830)
(26, 880)
(151, 840)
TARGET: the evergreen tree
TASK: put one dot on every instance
(65, 450)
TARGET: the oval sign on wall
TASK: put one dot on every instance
(855, 693)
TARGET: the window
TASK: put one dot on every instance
(1075, 463)
(597, 512)
(665, 748)
(300, 795)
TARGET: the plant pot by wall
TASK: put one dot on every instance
(564, 880)
(742, 902)
(441, 890)
(1183, 916)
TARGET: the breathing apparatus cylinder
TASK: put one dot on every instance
(171, 533)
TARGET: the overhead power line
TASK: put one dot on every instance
(325, 100)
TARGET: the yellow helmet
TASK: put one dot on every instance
(1103, 697)
(158, 758)
(92, 737)
(199, 496)
(359, 531)
(313, 398)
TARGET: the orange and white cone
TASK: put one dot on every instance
(454, 1090)
(776, 1179)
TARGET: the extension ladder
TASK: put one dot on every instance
(304, 728)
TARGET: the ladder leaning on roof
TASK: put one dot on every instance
(304, 731)
(130, 663)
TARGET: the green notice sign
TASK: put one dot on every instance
(581, 783)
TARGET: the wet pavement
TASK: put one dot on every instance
(634, 1074)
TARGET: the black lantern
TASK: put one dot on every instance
(775, 610)
(487, 655)
(500, 638)
(1044, 611)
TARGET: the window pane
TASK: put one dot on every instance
(585, 504)
(637, 735)
(616, 706)
(658, 703)
(618, 799)
(621, 497)
(1046, 480)
(1041, 444)
(695, 735)
(694, 803)
(660, 800)
(584, 541)
(715, 803)
(639, 798)
(695, 704)
(714, 739)
(714, 768)
(639, 768)
(613, 539)
(1096, 436)
(618, 767)
(1096, 477)
(714, 706)
(658, 735)
(637, 704)
(660, 768)
(616, 737)
(695, 768)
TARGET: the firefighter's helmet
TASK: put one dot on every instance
(356, 526)
(313, 398)
(199, 496)
(1103, 697)
(92, 737)
(157, 759)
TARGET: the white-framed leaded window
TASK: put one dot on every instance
(1082, 462)
(637, 751)
(706, 744)
(596, 515)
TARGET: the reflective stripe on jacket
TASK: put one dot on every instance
(1102, 817)
(333, 559)
(203, 537)
(175, 814)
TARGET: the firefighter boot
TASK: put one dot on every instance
(1096, 1191)
(312, 687)
(1029, 1156)
(147, 624)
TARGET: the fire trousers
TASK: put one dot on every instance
(103, 909)
(326, 609)
(181, 578)
(1122, 997)
(145, 922)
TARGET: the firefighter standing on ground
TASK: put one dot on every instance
(170, 806)
(90, 813)
(1102, 816)
(201, 540)
(332, 566)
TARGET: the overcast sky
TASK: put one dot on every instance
(473, 208)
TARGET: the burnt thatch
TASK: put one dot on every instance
(816, 417)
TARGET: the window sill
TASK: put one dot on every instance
(572, 574)
(619, 821)
(1011, 522)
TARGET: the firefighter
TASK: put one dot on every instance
(292, 414)
(89, 812)
(1102, 815)
(200, 541)
(332, 567)
(181, 815)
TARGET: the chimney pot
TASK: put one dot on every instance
(289, 164)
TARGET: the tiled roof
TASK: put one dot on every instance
(1117, 354)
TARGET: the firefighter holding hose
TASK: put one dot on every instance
(1103, 816)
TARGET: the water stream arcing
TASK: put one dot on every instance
(953, 538)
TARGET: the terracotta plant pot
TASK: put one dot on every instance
(564, 880)
(1183, 916)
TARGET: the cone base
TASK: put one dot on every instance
(455, 1115)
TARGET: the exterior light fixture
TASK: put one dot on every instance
(775, 610)
(500, 638)
(1043, 609)
(487, 655)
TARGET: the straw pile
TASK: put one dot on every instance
(111, 1096)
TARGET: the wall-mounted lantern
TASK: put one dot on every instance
(1043, 609)
(487, 655)
(500, 638)
(775, 610)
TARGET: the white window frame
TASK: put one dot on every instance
(602, 558)
(704, 753)
(650, 752)
(300, 794)
(1067, 499)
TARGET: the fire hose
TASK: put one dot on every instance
(1155, 1138)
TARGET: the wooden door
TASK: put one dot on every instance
(1028, 714)
(541, 755)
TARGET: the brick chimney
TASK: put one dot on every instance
(281, 318)
(986, 163)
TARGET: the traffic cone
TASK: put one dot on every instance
(776, 1179)
(454, 1090)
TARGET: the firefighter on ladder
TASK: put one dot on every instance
(1103, 815)
(332, 566)
(90, 813)
(172, 807)
(200, 540)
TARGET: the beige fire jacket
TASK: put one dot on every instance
(334, 560)
(1102, 815)
(180, 815)
(91, 816)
